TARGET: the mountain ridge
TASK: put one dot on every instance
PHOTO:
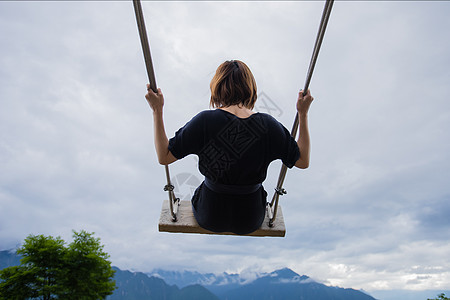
(222, 284)
(138, 286)
(280, 284)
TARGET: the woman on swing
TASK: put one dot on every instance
(235, 147)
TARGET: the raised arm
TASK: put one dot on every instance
(303, 142)
(156, 102)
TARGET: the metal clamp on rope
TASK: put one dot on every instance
(280, 191)
(168, 187)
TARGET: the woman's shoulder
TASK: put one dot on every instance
(266, 116)
(205, 117)
(215, 115)
(202, 115)
(207, 113)
(270, 120)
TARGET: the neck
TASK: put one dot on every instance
(238, 110)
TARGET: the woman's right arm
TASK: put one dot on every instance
(303, 142)
(156, 102)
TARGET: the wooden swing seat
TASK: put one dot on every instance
(186, 222)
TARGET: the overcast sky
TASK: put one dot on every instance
(76, 136)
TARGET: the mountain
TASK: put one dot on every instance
(8, 258)
(138, 286)
(216, 283)
(135, 285)
(286, 284)
(281, 284)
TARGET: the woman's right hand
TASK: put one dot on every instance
(155, 100)
(304, 102)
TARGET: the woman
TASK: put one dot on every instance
(235, 147)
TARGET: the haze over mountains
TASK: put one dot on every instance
(283, 284)
(160, 284)
(280, 284)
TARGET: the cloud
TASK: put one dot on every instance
(76, 140)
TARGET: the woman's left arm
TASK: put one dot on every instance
(303, 142)
(156, 102)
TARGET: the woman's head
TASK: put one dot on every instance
(233, 84)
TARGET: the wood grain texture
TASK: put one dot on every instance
(186, 222)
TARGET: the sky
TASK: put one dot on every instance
(76, 134)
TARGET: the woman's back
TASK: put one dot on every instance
(232, 150)
(234, 153)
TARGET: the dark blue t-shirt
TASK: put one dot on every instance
(233, 151)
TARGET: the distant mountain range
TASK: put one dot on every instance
(283, 284)
(168, 285)
(139, 286)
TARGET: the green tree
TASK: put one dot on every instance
(440, 297)
(90, 272)
(50, 270)
(16, 283)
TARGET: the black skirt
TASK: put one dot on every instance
(239, 214)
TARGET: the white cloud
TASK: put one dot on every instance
(76, 146)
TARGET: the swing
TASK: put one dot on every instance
(186, 222)
(177, 216)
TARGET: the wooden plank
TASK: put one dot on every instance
(186, 222)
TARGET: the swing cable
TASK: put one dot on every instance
(279, 190)
(174, 202)
(272, 207)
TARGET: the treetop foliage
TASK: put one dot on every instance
(50, 270)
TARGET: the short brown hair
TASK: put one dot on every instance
(233, 84)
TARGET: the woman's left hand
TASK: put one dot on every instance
(304, 102)
(155, 100)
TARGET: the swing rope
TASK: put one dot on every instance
(279, 190)
(174, 202)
